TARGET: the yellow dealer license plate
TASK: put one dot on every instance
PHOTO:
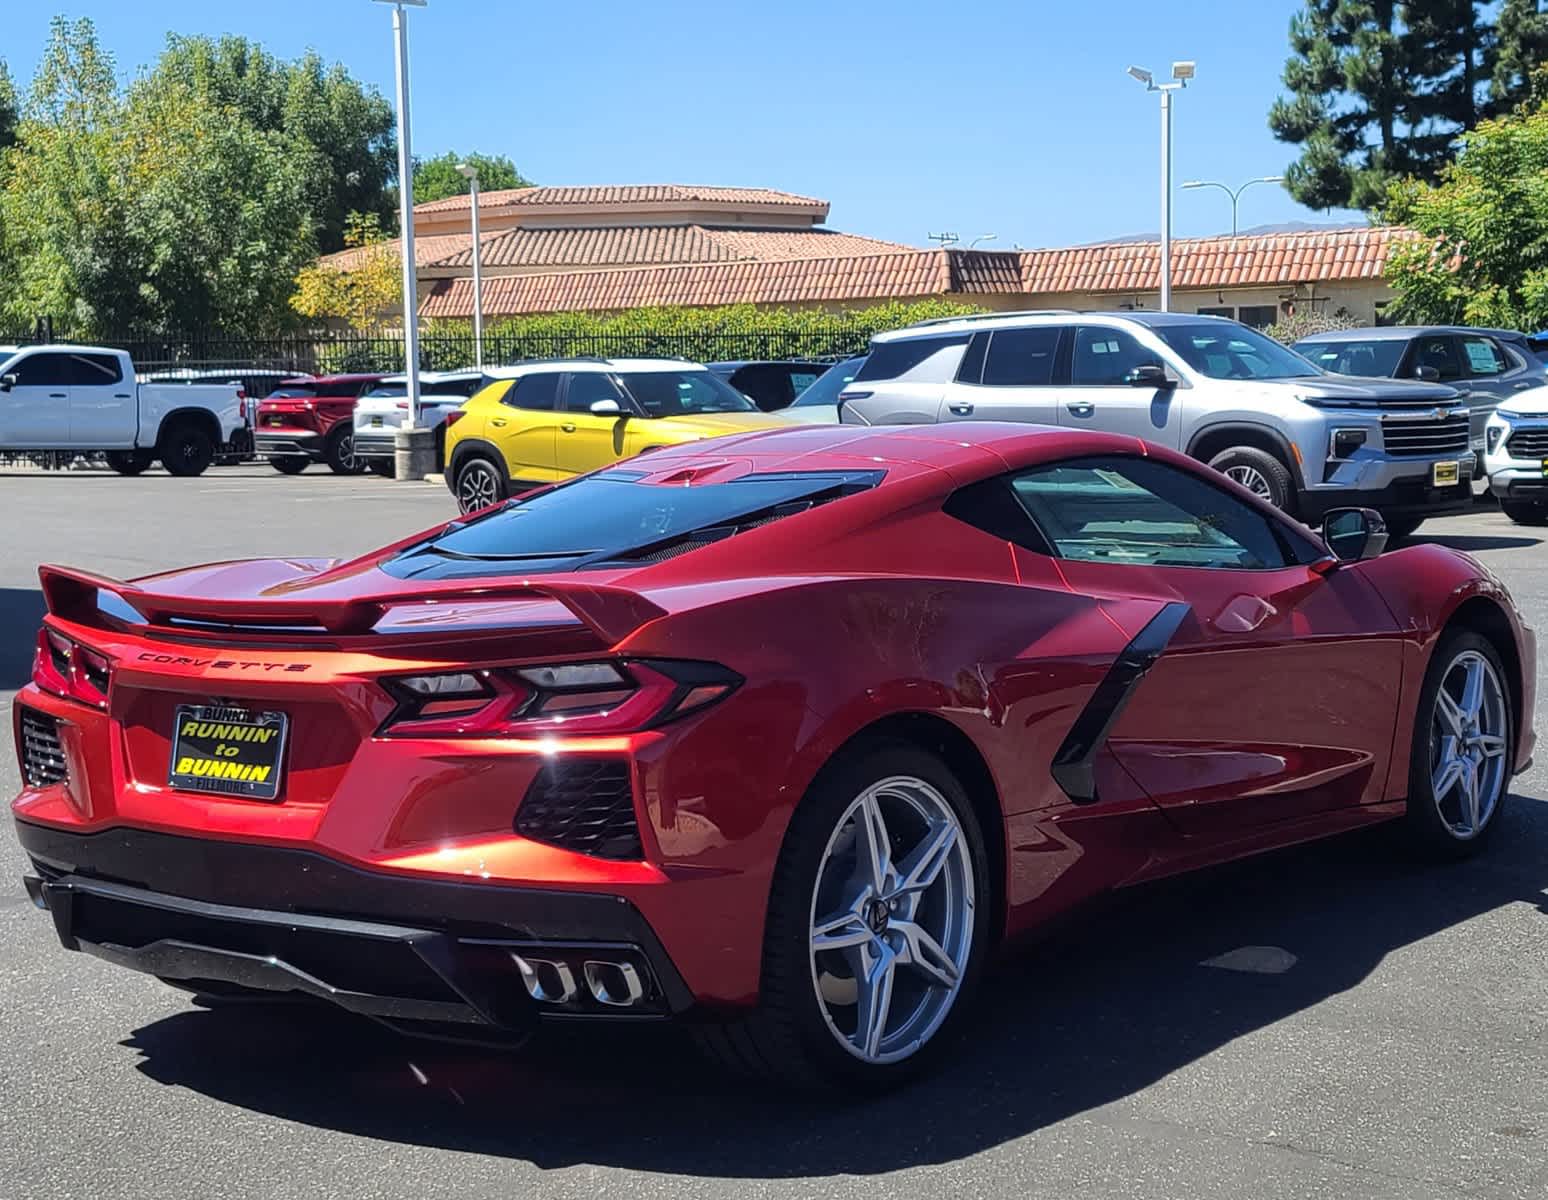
(376, 422)
(231, 751)
(1443, 474)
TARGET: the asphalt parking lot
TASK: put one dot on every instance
(1331, 1021)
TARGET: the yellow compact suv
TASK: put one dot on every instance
(541, 422)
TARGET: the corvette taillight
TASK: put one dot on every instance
(602, 697)
(68, 669)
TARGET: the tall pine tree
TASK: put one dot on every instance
(1522, 47)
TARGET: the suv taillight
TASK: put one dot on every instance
(599, 697)
(454, 416)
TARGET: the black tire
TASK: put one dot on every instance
(130, 462)
(786, 1039)
(1524, 512)
(385, 467)
(440, 449)
(480, 483)
(1427, 827)
(339, 451)
(290, 464)
(1399, 528)
(186, 450)
(1261, 473)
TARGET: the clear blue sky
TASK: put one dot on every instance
(1011, 117)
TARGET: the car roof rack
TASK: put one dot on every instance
(995, 316)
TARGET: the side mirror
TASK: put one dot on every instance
(606, 408)
(1427, 374)
(1354, 534)
(7, 382)
(1151, 375)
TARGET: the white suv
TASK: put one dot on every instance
(382, 411)
(1516, 456)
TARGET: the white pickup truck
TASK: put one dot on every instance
(85, 399)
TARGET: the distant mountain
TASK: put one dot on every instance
(1254, 231)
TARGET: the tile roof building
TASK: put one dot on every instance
(561, 249)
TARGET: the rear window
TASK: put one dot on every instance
(292, 393)
(612, 519)
(893, 360)
(1377, 358)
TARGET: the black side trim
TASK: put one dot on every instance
(1074, 764)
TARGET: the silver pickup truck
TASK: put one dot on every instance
(1304, 439)
(85, 399)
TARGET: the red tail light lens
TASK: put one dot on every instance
(563, 698)
(70, 670)
(454, 416)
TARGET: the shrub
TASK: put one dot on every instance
(1292, 329)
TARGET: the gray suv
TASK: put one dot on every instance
(1302, 438)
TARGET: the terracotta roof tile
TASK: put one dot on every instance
(641, 245)
(429, 250)
(654, 193)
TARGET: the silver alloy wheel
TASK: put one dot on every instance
(347, 452)
(891, 920)
(1469, 737)
(1252, 479)
(477, 487)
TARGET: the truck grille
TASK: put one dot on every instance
(1446, 436)
(1528, 443)
(584, 805)
(42, 755)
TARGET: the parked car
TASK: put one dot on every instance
(784, 735)
(540, 422)
(254, 384)
(1303, 439)
(307, 420)
(770, 385)
(382, 411)
(818, 404)
(1516, 456)
(1485, 365)
(86, 399)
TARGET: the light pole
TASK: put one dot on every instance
(1181, 73)
(470, 173)
(983, 237)
(1234, 194)
(406, 207)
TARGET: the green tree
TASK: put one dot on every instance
(1522, 32)
(8, 112)
(436, 178)
(341, 132)
(1481, 257)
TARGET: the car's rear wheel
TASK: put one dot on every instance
(1524, 512)
(877, 927)
(1260, 473)
(480, 483)
(339, 452)
(1464, 737)
(186, 450)
(290, 464)
(130, 462)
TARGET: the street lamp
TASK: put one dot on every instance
(983, 237)
(406, 207)
(1181, 73)
(1235, 195)
(470, 173)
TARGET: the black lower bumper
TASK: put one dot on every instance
(288, 445)
(1406, 498)
(414, 953)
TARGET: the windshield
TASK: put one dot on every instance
(609, 518)
(1363, 356)
(684, 393)
(824, 392)
(1223, 351)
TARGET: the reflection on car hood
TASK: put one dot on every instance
(1369, 390)
(1533, 402)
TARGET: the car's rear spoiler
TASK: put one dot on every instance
(611, 613)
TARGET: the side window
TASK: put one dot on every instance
(42, 370)
(1139, 512)
(95, 370)
(1104, 357)
(915, 357)
(587, 387)
(1483, 357)
(539, 393)
(1021, 357)
(1438, 351)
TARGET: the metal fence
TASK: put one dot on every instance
(326, 351)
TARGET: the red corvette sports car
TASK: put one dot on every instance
(782, 735)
